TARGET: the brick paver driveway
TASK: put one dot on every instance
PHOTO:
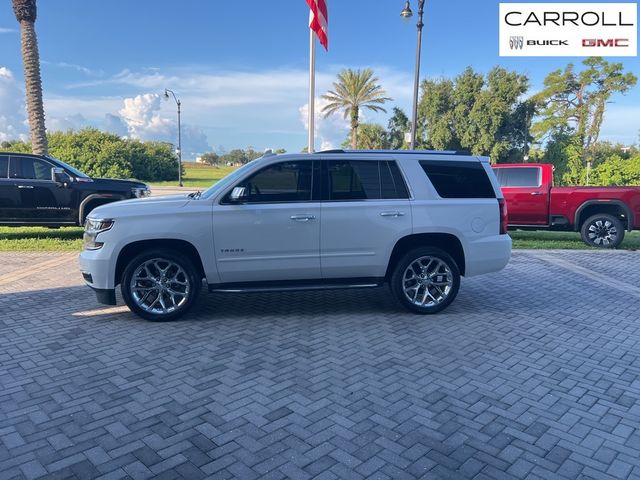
(532, 372)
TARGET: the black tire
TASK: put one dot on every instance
(602, 231)
(179, 268)
(446, 272)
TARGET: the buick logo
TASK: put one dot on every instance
(516, 43)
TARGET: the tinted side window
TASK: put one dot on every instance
(392, 183)
(4, 166)
(30, 168)
(458, 179)
(519, 177)
(353, 180)
(282, 182)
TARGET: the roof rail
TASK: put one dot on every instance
(402, 152)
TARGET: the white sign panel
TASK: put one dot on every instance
(568, 29)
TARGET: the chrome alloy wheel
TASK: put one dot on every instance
(602, 232)
(427, 281)
(160, 286)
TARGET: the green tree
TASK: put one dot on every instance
(371, 136)
(397, 127)
(485, 115)
(210, 158)
(353, 91)
(574, 102)
(26, 13)
(563, 151)
(616, 170)
(102, 154)
(237, 156)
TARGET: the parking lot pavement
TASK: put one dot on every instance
(532, 372)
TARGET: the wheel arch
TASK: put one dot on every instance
(132, 249)
(616, 208)
(447, 242)
(100, 199)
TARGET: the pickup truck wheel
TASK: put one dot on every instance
(425, 280)
(160, 285)
(603, 231)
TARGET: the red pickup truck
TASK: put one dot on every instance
(600, 214)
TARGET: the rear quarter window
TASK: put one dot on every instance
(4, 166)
(458, 179)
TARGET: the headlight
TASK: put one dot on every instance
(92, 227)
(141, 192)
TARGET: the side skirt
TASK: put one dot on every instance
(296, 285)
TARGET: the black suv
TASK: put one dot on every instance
(44, 191)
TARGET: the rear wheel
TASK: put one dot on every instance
(602, 231)
(426, 280)
(160, 285)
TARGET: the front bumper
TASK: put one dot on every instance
(96, 268)
(105, 296)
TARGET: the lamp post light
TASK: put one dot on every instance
(406, 14)
(179, 152)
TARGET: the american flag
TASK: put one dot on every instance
(319, 20)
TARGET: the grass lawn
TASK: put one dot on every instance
(66, 239)
(198, 176)
(565, 240)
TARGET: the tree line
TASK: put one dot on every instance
(103, 154)
(491, 114)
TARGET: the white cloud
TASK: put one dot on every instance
(13, 120)
(141, 114)
(330, 132)
(7, 30)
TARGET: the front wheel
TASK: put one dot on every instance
(160, 285)
(602, 231)
(426, 280)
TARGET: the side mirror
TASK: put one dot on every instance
(238, 194)
(60, 176)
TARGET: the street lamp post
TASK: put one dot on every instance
(407, 14)
(166, 96)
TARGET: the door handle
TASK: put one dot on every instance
(537, 193)
(25, 186)
(302, 218)
(392, 214)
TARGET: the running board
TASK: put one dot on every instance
(295, 285)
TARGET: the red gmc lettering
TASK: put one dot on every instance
(609, 42)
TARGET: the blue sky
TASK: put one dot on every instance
(240, 68)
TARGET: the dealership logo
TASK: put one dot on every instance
(516, 43)
(568, 29)
(609, 42)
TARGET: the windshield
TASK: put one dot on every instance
(75, 171)
(228, 180)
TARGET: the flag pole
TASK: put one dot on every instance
(312, 90)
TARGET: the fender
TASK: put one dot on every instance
(94, 196)
(619, 203)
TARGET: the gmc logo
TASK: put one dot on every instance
(609, 42)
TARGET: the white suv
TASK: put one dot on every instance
(417, 220)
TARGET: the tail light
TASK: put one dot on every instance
(504, 221)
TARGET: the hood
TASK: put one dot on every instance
(141, 206)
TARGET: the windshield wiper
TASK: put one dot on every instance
(195, 195)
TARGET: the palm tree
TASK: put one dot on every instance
(353, 91)
(26, 12)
